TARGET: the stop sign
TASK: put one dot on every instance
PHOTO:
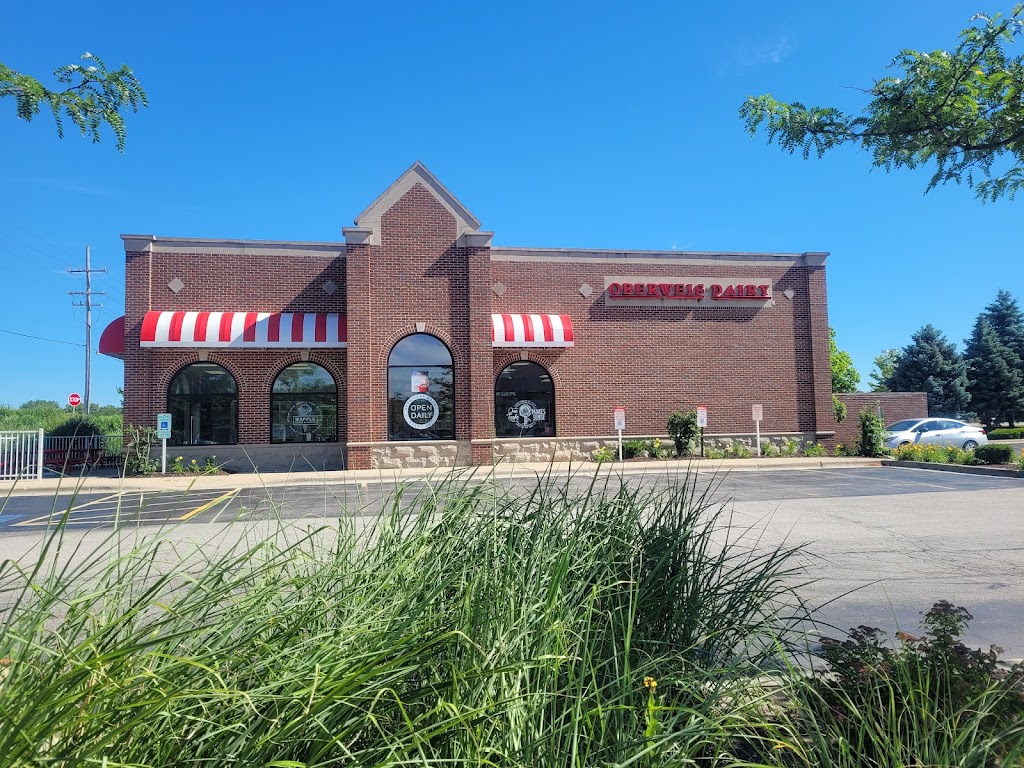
(74, 399)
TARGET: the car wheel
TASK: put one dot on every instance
(970, 445)
(905, 442)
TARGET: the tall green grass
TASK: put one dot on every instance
(468, 626)
(593, 624)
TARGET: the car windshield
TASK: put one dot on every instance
(902, 426)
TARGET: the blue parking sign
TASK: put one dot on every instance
(163, 426)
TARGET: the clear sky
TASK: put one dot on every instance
(591, 125)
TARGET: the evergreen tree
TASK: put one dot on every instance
(995, 362)
(1007, 321)
(931, 364)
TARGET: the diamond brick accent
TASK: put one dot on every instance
(176, 285)
(330, 287)
(499, 288)
(585, 290)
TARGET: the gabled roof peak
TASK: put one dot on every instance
(368, 222)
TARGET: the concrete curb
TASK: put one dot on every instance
(91, 484)
(962, 469)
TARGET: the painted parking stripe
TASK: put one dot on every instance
(204, 507)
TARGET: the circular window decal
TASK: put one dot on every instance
(421, 411)
(524, 414)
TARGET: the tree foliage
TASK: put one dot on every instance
(844, 376)
(995, 362)
(92, 95)
(885, 364)
(962, 110)
(931, 364)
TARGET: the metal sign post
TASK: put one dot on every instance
(163, 431)
(620, 424)
(702, 421)
(757, 411)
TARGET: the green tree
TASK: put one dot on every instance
(961, 109)
(844, 376)
(931, 364)
(995, 363)
(49, 405)
(885, 364)
(91, 96)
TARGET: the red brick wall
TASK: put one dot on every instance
(653, 360)
(218, 282)
(650, 360)
(894, 406)
(418, 274)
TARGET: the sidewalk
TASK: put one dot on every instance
(108, 483)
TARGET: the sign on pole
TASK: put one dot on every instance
(620, 424)
(163, 431)
(757, 411)
(74, 399)
(702, 422)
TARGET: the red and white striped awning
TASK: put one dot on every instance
(244, 329)
(531, 331)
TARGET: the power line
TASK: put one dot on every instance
(40, 338)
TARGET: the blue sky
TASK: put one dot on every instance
(590, 125)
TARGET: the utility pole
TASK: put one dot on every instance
(88, 293)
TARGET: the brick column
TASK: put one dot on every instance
(364, 379)
(822, 375)
(481, 364)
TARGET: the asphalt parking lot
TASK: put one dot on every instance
(160, 507)
(880, 544)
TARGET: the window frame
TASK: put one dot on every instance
(201, 399)
(275, 395)
(551, 423)
(446, 406)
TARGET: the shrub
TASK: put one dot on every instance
(790, 446)
(838, 409)
(683, 429)
(636, 449)
(1005, 433)
(769, 449)
(929, 701)
(872, 434)
(138, 442)
(79, 426)
(738, 450)
(602, 454)
(842, 450)
(993, 454)
(814, 449)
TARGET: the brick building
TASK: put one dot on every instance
(417, 342)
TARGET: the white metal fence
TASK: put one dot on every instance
(21, 455)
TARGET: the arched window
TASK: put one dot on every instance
(421, 390)
(304, 405)
(203, 403)
(524, 401)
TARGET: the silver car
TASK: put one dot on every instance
(934, 432)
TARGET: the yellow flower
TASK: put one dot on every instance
(650, 683)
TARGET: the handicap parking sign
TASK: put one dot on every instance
(163, 426)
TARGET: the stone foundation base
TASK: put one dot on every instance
(277, 457)
(579, 449)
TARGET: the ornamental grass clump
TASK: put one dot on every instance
(468, 625)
